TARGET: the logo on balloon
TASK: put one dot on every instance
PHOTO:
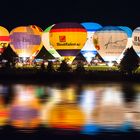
(62, 38)
(136, 41)
(96, 43)
(116, 43)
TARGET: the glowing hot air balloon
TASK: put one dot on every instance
(25, 41)
(89, 50)
(4, 39)
(110, 41)
(46, 42)
(68, 39)
(136, 40)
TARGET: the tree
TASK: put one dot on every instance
(50, 67)
(130, 61)
(64, 67)
(43, 66)
(80, 67)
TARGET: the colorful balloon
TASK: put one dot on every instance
(68, 39)
(25, 41)
(89, 50)
(46, 42)
(136, 40)
(4, 39)
(110, 41)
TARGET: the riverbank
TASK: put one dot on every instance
(85, 76)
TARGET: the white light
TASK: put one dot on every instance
(110, 64)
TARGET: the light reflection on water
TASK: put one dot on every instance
(86, 108)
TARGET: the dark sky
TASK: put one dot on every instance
(46, 12)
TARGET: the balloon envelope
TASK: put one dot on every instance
(110, 41)
(25, 41)
(89, 51)
(68, 38)
(4, 39)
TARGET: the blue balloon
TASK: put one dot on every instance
(91, 26)
(127, 30)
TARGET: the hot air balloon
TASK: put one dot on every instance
(68, 39)
(89, 50)
(110, 41)
(24, 110)
(4, 39)
(136, 40)
(25, 41)
(40, 31)
(46, 42)
(129, 41)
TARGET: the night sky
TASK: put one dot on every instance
(46, 12)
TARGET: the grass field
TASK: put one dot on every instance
(88, 68)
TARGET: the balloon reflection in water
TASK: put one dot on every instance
(110, 111)
(50, 103)
(24, 110)
(88, 103)
(66, 114)
(136, 113)
(3, 112)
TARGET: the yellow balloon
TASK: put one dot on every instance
(68, 38)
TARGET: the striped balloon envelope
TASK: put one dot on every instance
(25, 41)
(68, 39)
(89, 51)
(46, 42)
(4, 39)
(110, 42)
